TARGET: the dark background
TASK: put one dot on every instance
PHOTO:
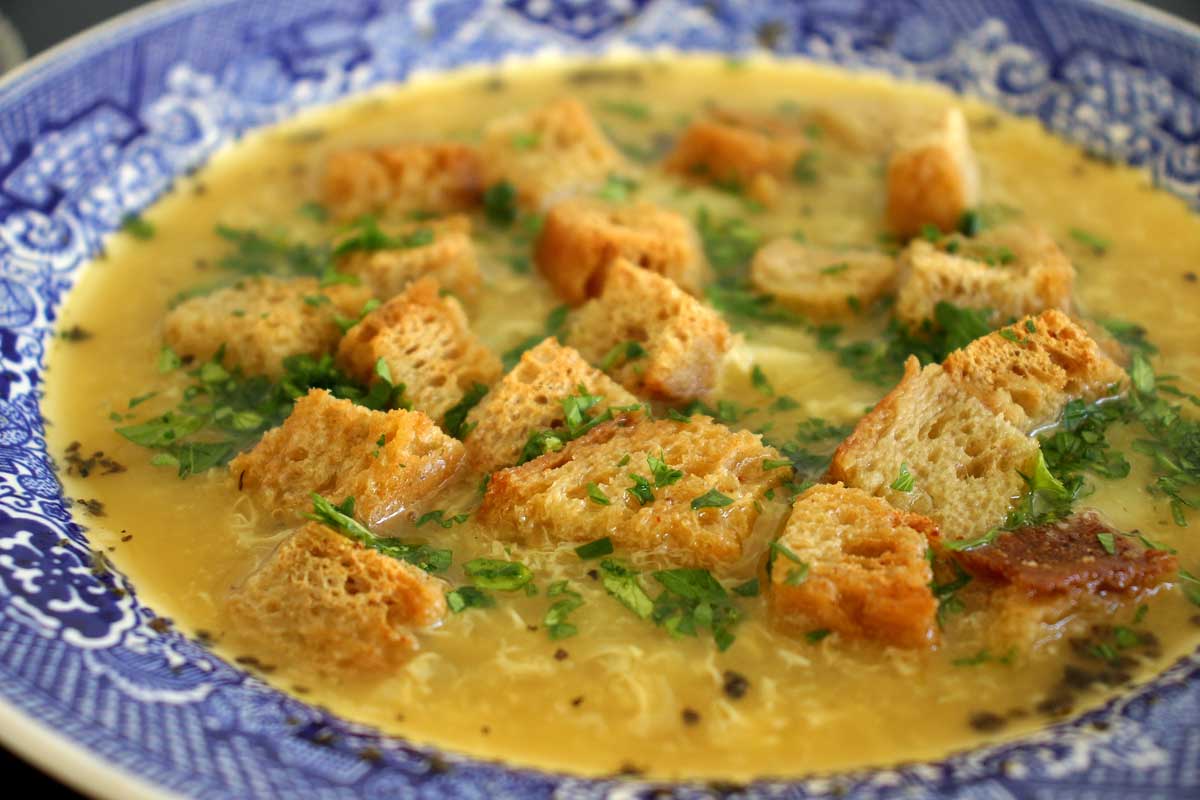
(44, 23)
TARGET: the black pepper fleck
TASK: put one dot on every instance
(1190, 277)
(690, 716)
(75, 333)
(986, 721)
(577, 701)
(735, 685)
(560, 654)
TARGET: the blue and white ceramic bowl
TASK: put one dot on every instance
(97, 693)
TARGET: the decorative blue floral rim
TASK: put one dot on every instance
(101, 127)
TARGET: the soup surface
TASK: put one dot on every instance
(622, 693)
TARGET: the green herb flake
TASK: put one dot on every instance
(1108, 542)
(711, 499)
(500, 204)
(748, 589)
(904, 481)
(835, 269)
(621, 582)
(597, 548)
(504, 576)
(640, 490)
(137, 227)
(465, 597)
(455, 420)
(662, 474)
(818, 635)
(438, 517)
(1099, 246)
(597, 495)
(759, 380)
(341, 519)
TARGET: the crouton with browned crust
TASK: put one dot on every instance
(427, 344)
(653, 338)
(582, 237)
(1028, 371)
(440, 249)
(695, 497)
(438, 177)
(530, 399)
(392, 463)
(261, 321)
(851, 563)
(964, 461)
(548, 154)
(932, 177)
(323, 600)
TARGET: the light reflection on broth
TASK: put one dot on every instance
(622, 692)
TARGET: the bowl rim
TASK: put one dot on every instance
(86, 771)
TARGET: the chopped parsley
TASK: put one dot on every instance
(1108, 542)
(341, 519)
(597, 495)
(759, 380)
(366, 236)
(500, 203)
(596, 548)
(465, 597)
(491, 573)
(455, 420)
(617, 188)
(663, 474)
(621, 581)
(438, 517)
(711, 499)
(1098, 245)
(555, 321)
(622, 353)
(138, 227)
(904, 481)
(640, 490)
(555, 620)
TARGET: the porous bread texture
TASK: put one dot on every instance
(547, 499)
(402, 178)
(867, 572)
(548, 154)
(427, 344)
(450, 259)
(262, 321)
(1037, 276)
(391, 462)
(684, 340)
(1028, 374)
(529, 399)
(821, 281)
(932, 177)
(582, 237)
(754, 153)
(964, 459)
(333, 604)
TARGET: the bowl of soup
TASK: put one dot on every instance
(607, 399)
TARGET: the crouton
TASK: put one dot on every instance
(583, 492)
(820, 281)
(1013, 271)
(529, 399)
(677, 342)
(322, 600)
(1028, 371)
(932, 177)
(751, 153)
(862, 569)
(548, 154)
(391, 463)
(403, 178)
(963, 458)
(262, 321)
(449, 257)
(427, 344)
(582, 237)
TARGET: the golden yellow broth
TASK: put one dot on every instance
(488, 683)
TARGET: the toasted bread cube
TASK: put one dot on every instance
(325, 601)
(754, 154)
(932, 177)
(581, 238)
(427, 344)
(529, 399)
(437, 176)
(683, 339)
(1030, 370)
(965, 461)
(547, 499)
(262, 321)
(1013, 270)
(867, 573)
(392, 463)
(821, 281)
(548, 154)
(449, 258)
